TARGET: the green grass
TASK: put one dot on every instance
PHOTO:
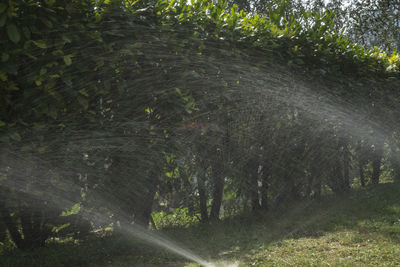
(358, 228)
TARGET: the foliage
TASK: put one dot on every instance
(118, 107)
(179, 218)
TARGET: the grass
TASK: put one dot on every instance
(358, 228)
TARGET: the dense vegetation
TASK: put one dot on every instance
(114, 112)
(366, 22)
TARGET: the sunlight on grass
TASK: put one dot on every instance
(340, 248)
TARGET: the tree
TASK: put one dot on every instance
(122, 105)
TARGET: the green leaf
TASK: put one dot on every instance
(46, 22)
(3, 20)
(57, 229)
(26, 148)
(67, 81)
(83, 101)
(11, 68)
(15, 136)
(26, 32)
(4, 57)
(38, 125)
(40, 44)
(4, 138)
(13, 33)
(42, 149)
(53, 112)
(74, 210)
(66, 39)
(50, 2)
(52, 92)
(3, 76)
(137, 45)
(12, 87)
(299, 61)
(84, 92)
(68, 60)
(3, 7)
(43, 71)
(2, 123)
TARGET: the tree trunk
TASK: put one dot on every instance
(264, 187)
(218, 188)
(362, 156)
(27, 228)
(143, 212)
(188, 199)
(37, 226)
(8, 220)
(396, 171)
(376, 162)
(11, 225)
(361, 170)
(346, 166)
(337, 181)
(35, 232)
(201, 187)
(31, 228)
(255, 201)
(202, 197)
(144, 203)
(3, 231)
(395, 160)
(317, 189)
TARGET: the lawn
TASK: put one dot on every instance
(358, 228)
